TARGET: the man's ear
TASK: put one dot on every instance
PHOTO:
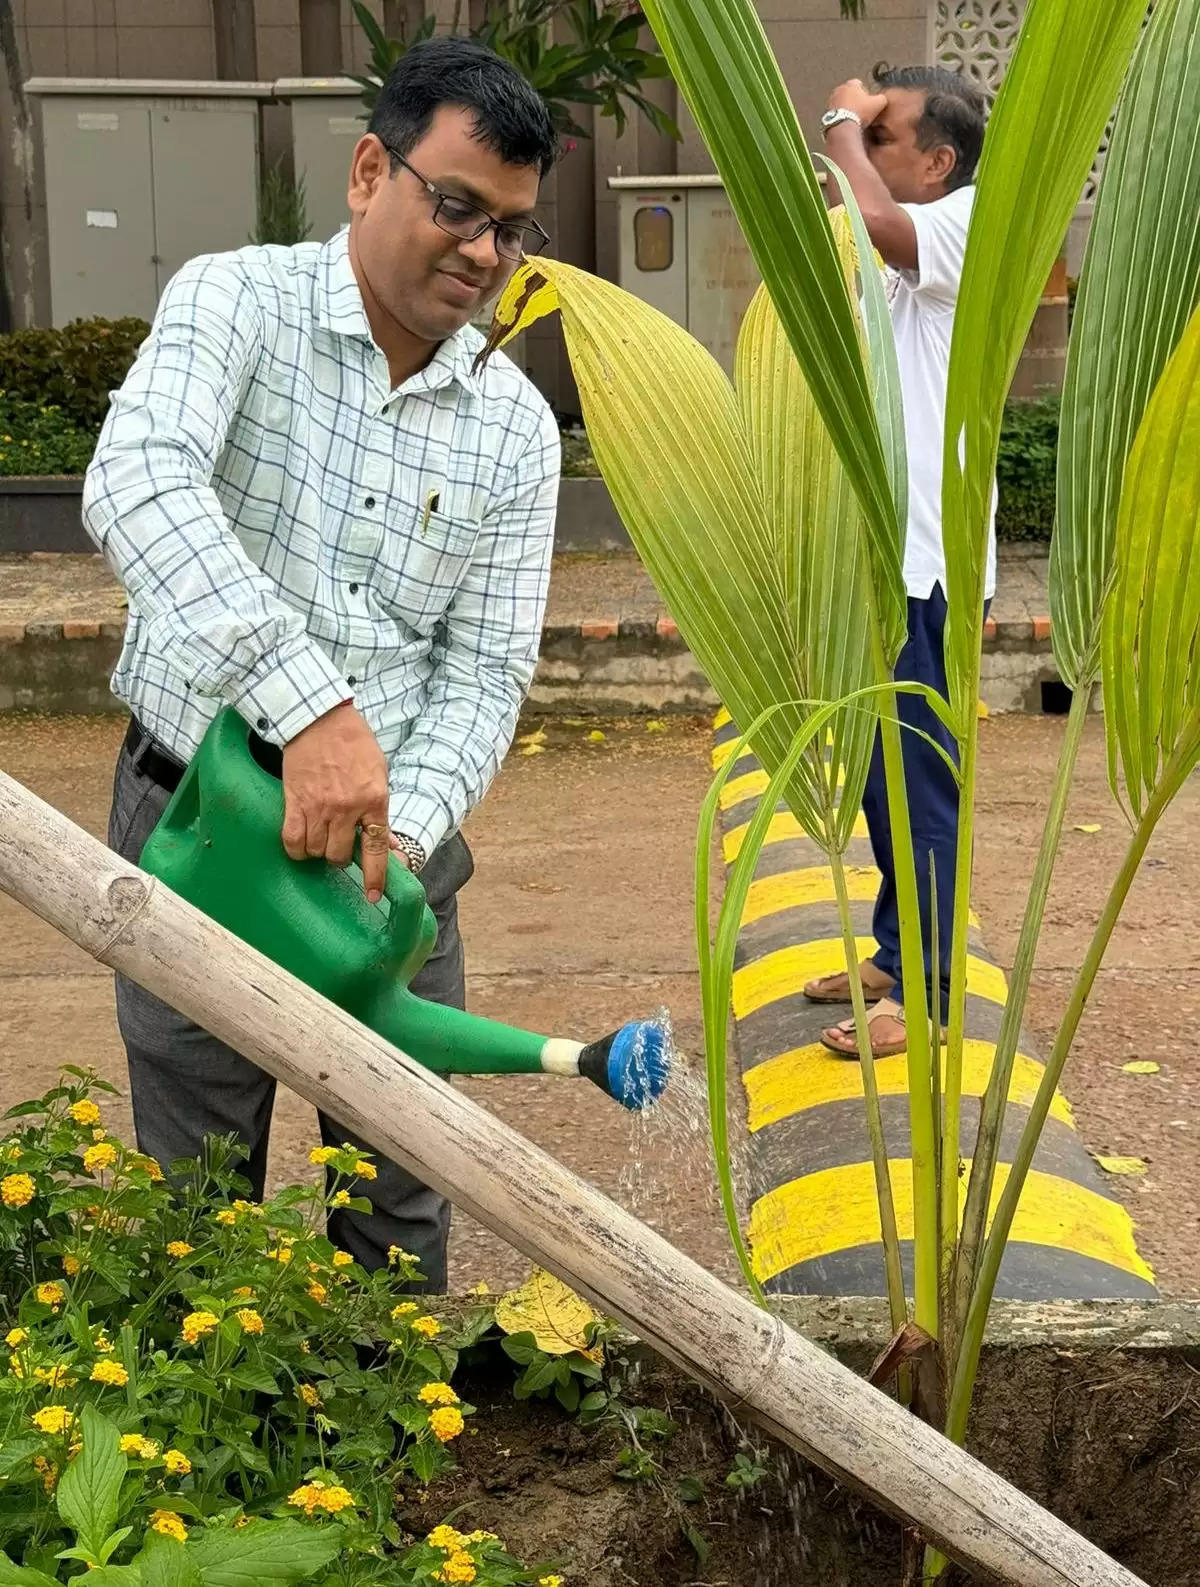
(942, 161)
(369, 166)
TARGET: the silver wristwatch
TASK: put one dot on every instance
(833, 118)
(412, 851)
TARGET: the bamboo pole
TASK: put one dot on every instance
(746, 1357)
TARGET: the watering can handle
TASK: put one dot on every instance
(403, 891)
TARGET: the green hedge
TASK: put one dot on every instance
(54, 387)
(1025, 470)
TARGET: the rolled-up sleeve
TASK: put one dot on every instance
(150, 507)
(485, 653)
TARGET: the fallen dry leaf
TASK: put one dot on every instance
(1088, 826)
(1140, 1066)
(1123, 1165)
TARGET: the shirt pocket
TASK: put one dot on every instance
(434, 558)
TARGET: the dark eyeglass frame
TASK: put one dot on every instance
(529, 228)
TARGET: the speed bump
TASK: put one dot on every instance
(814, 1220)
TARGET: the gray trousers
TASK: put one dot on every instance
(185, 1084)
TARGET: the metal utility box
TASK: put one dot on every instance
(328, 119)
(140, 177)
(682, 250)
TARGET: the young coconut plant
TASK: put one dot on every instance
(767, 511)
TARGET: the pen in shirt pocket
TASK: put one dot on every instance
(432, 499)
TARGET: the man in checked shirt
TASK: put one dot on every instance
(323, 516)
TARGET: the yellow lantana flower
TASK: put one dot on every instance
(70, 1265)
(169, 1524)
(446, 1423)
(135, 1444)
(282, 1253)
(318, 1292)
(365, 1170)
(438, 1394)
(50, 1294)
(52, 1419)
(16, 1336)
(251, 1322)
(198, 1323)
(447, 1537)
(397, 1253)
(429, 1326)
(342, 1198)
(102, 1155)
(321, 1155)
(179, 1248)
(54, 1377)
(47, 1470)
(342, 1259)
(16, 1190)
(84, 1112)
(177, 1463)
(309, 1395)
(111, 1372)
(227, 1216)
(549, 1581)
(318, 1495)
(405, 1309)
(458, 1568)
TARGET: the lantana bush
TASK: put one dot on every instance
(202, 1391)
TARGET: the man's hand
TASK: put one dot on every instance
(335, 780)
(856, 96)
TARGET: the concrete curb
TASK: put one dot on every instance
(814, 1222)
(605, 665)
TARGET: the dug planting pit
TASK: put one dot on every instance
(1091, 1408)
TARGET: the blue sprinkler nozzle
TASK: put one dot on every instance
(632, 1066)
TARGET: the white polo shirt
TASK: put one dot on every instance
(923, 303)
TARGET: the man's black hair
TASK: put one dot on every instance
(510, 116)
(955, 114)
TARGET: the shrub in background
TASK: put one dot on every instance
(72, 368)
(1025, 470)
(40, 439)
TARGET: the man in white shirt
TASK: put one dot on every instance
(909, 150)
(325, 516)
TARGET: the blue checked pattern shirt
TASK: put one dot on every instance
(291, 531)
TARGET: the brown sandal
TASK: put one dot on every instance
(885, 1008)
(836, 988)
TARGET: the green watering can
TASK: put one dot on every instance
(218, 845)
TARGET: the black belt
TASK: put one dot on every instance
(151, 759)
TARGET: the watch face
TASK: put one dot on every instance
(828, 119)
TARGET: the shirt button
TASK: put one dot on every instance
(263, 724)
(351, 680)
(370, 502)
(354, 589)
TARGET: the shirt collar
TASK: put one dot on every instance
(340, 310)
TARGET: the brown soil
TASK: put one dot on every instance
(1110, 1442)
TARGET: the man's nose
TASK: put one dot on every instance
(481, 251)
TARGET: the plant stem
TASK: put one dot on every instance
(991, 1118)
(916, 1011)
(951, 1152)
(967, 1362)
(897, 1301)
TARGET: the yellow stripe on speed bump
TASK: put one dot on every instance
(783, 827)
(811, 884)
(835, 1210)
(722, 719)
(752, 785)
(784, 972)
(809, 1077)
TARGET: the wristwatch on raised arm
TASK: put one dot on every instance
(412, 851)
(833, 118)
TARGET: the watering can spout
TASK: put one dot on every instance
(218, 845)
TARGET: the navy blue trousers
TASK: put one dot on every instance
(932, 802)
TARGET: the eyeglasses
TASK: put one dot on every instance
(514, 239)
